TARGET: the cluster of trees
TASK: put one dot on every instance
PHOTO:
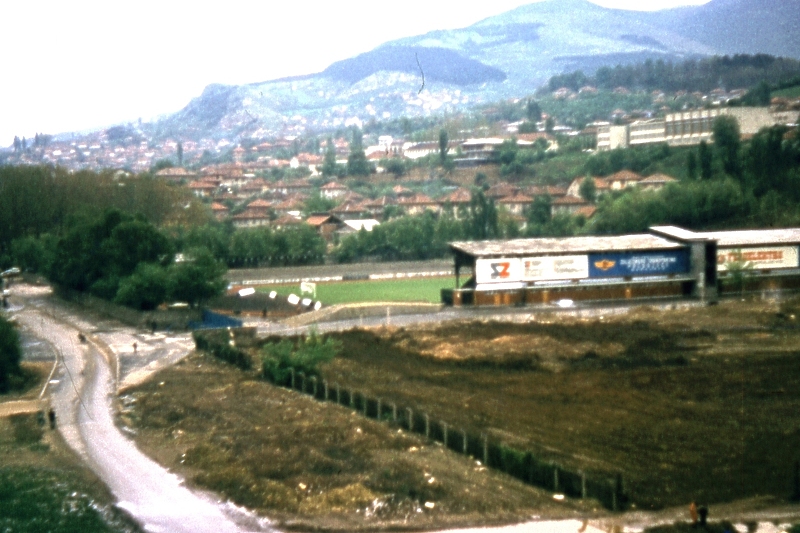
(257, 247)
(730, 184)
(690, 75)
(121, 258)
(516, 162)
(39, 199)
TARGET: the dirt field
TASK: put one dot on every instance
(700, 403)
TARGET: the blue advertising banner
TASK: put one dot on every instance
(638, 263)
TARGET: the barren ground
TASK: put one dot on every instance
(700, 403)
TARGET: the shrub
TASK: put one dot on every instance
(278, 358)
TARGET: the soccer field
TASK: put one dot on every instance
(395, 290)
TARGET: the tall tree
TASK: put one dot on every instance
(357, 164)
(705, 158)
(180, 154)
(329, 166)
(727, 141)
(532, 111)
(482, 222)
(588, 189)
(443, 146)
(691, 165)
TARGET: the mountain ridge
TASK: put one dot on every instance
(505, 56)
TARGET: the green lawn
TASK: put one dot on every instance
(402, 290)
(789, 92)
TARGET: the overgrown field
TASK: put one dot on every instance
(695, 403)
(394, 290)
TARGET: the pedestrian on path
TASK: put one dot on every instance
(693, 513)
(135, 346)
(703, 512)
(52, 416)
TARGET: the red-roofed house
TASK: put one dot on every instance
(515, 204)
(622, 179)
(655, 182)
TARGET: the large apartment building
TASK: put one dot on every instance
(689, 127)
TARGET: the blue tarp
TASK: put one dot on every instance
(212, 320)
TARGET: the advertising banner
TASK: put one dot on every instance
(555, 267)
(638, 264)
(498, 270)
(759, 258)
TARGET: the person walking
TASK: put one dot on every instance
(693, 513)
(703, 512)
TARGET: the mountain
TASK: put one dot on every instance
(509, 55)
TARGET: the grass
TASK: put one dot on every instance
(789, 92)
(43, 487)
(400, 290)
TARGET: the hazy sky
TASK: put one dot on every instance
(69, 65)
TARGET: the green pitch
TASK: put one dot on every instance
(402, 290)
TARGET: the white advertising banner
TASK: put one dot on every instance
(498, 270)
(759, 258)
(555, 267)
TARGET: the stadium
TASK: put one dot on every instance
(667, 262)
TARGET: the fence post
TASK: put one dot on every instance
(378, 414)
(394, 413)
(427, 426)
(796, 495)
(464, 442)
(583, 485)
(302, 377)
(485, 449)
(444, 433)
(314, 386)
(352, 399)
(338, 394)
(614, 497)
(291, 372)
(325, 385)
(365, 402)
(555, 478)
(410, 419)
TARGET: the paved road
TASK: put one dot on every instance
(83, 399)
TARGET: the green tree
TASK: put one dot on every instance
(443, 146)
(705, 158)
(691, 165)
(727, 142)
(533, 112)
(179, 153)
(195, 279)
(329, 166)
(737, 272)
(145, 289)
(482, 217)
(357, 163)
(588, 189)
(10, 354)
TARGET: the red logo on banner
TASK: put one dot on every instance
(500, 270)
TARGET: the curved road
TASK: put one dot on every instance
(83, 399)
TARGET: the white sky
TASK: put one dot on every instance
(69, 65)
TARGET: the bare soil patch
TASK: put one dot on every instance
(698, 403)
(315, 466)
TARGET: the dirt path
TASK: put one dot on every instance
(20, 407)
